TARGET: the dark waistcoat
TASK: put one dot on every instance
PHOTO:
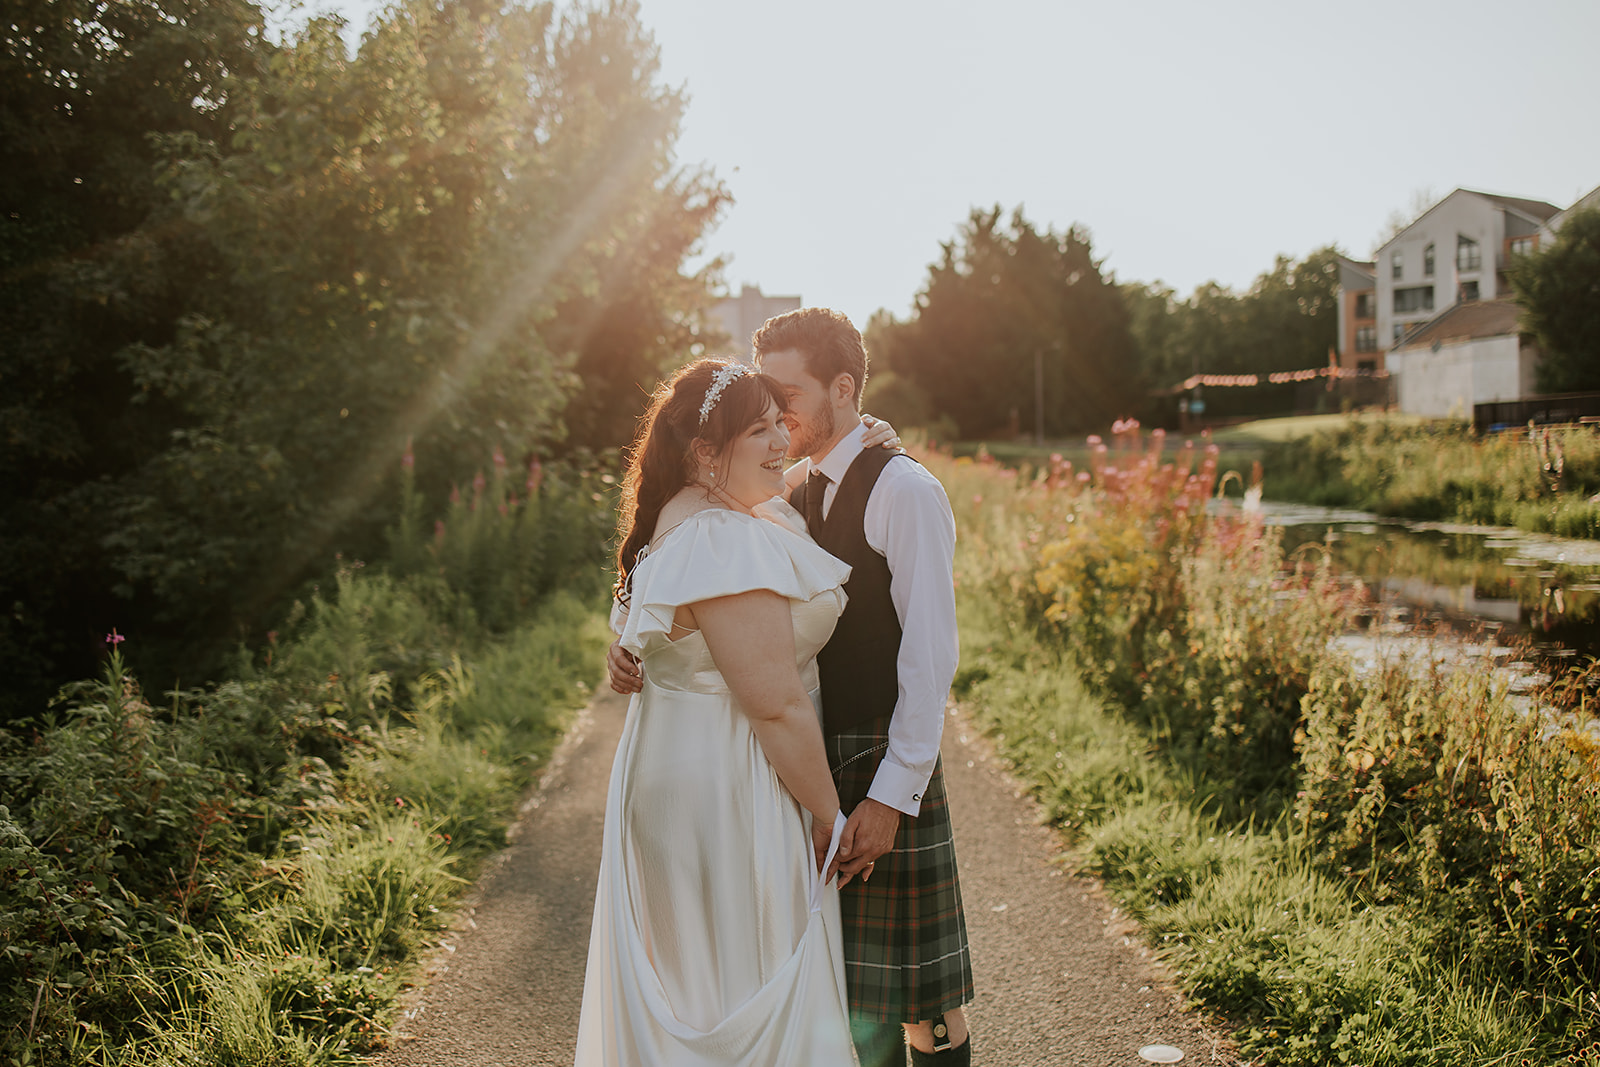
(859, 678)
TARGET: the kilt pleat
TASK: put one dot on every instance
(906, 956)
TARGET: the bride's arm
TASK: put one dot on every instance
(751, 640)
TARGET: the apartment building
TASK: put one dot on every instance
(1457, 252)
(1358, 348)
(741, 316)
(1552, 226)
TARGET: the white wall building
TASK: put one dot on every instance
(1474, 353)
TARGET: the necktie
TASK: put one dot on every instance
(816, 487)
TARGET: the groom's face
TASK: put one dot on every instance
(811, 408)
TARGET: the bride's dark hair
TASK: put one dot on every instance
(662, 459)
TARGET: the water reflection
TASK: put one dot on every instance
(1508, 582)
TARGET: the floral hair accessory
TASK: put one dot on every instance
(719, 382)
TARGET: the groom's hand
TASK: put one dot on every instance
(623, 666)
(867, 834)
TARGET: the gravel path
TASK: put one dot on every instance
(1061, 979)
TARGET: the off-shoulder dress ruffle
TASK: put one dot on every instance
(716, 553)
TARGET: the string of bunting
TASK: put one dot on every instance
(1278, 377)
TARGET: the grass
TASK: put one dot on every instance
(1262, 432)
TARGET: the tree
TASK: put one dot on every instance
(1559, 289)
(1287, 320)
(419, 242)
(1002, 304)
(86, 88)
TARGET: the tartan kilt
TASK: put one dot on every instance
(905, 937)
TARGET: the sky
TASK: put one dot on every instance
(1193, 141)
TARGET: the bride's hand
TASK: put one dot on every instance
(821, 838)
(878, 432)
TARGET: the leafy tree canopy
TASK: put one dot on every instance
(1559, 289)
(1287, 320)
(1004, 301)
(239, 276)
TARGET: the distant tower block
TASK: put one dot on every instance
(741, 316)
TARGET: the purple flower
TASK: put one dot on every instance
(114, 639)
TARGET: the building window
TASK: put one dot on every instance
(1417, 298)
(1469, 292)
(1396, 264)
(1400, 329)
(1367, 366)
(1522, 246)
(1367, 339)
(1364, 306)
(1427, 262)
(1468, 255)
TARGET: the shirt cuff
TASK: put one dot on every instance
(899, 787)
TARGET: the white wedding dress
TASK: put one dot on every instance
(714, 940)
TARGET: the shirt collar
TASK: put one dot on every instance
(839, 458)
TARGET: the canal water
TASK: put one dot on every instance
(1510, 588)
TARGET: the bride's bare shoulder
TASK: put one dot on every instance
(687, 502)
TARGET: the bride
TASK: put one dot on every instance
(716, 938)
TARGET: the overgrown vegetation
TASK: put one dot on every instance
(245, 873)
(1395, 868)
(1543, 480)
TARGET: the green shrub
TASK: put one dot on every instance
(243, 874)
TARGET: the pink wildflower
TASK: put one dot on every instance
(114, 639)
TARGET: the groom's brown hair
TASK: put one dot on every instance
(826, 339)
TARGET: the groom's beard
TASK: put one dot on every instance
(811, 436)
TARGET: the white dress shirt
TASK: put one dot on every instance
(908, 521)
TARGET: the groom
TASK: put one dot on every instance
(885, 676)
